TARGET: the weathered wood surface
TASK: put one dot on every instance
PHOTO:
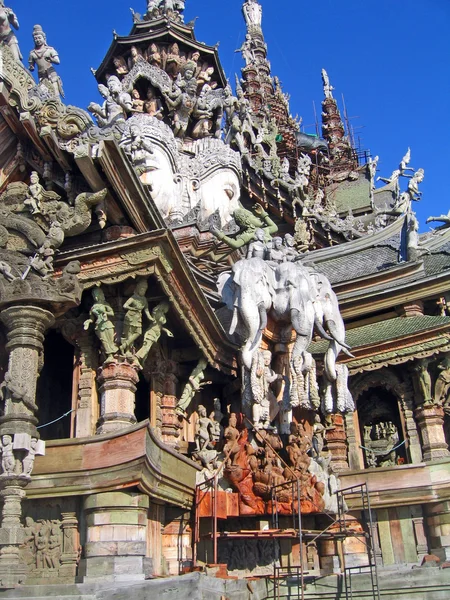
(134, 457)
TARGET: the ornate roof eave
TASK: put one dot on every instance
(169, 30)
(354, 246)
(157, 253)
(432, 335)
(153, 25)
(125, 459)
(366, 302)
(436, 241)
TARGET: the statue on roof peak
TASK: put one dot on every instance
(7, 36)
(44, 57)
(252, 13)
(170, 8)
(327, 87)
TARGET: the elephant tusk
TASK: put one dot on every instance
(346, 350)
(332, 327)
(322, 331)
(262, 316)
(234, 322)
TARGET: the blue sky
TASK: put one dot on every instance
(390, 59)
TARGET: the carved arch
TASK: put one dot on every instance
(403, 391)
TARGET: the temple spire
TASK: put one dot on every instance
(341, 152)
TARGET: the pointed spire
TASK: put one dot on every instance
(333, 130)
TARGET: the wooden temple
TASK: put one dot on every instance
(224, 344)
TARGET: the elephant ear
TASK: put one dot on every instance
(226, 289)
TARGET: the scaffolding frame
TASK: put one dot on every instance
(360, 493)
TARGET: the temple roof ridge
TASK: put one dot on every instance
(352, 246)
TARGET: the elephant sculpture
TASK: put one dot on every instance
(294, 296)
(328, 316)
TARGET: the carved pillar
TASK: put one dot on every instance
(87, 406)
(431, 424)
(26, 326)
(337, 443)
(25, 331)
(414, 448)
(71, 544)
(117, 388)
(355, 458)
(116, 546)
(164, 393)
(419, 531)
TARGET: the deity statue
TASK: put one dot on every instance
(132, 324)
(231, 435)
(42, 261)
(195, 383)
(28, 461)
(183, 98)
(152, 105)
(290, 251)
(8, 459)
(318, 436)
(216, 417)
(138, 104)
(442, 385)
(100, 315)
(7, 36)
(153, 332)
(44, 57)
(35, 194)
(134, 57)
(139, 148)
(248, 223)
(121, 65)
(116, 106)
(261, 378)
(423, 381)
(154, 56)
(327, 87)
(277, 253)
(203, 430)
(252, 13)
(258, 247)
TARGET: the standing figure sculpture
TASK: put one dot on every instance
(252, 13)
(132, 324)
(44, 57)
(203, 430)
(194, 384)
(442, 385)
(7, 35)
(100, 315)
(327, 87)
(153, 333)
(261, 378)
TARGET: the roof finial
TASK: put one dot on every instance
(327, 87)
(253, 13)
(173, 9)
